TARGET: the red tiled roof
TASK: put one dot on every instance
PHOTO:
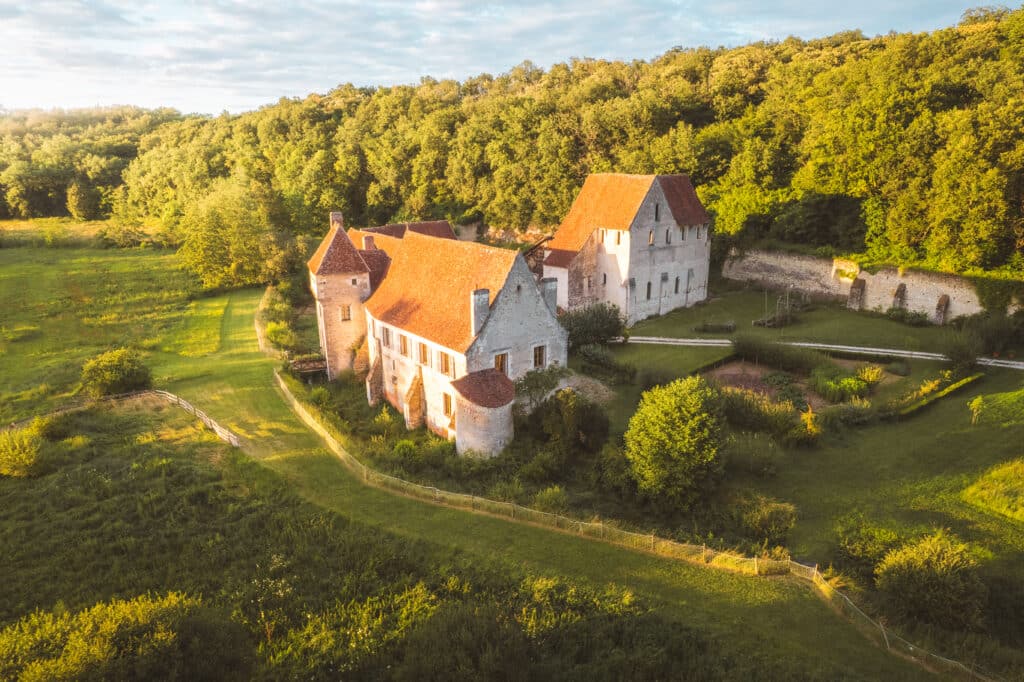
(682, 200)
(381, 241)
(428, 288)
(611, 201)
(559, 258)
(486, 388)
(377, 261)
(433, 228)
(336, 255)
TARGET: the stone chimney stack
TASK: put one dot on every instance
(479, 308)
(337, 220)
(368, 244)
(549, 291)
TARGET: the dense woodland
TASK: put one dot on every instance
(903, 148)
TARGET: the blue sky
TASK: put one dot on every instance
(217, 55)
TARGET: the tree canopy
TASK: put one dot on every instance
(904, 148)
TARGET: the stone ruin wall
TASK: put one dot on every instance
(834, 278)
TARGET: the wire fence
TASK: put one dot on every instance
(697, 554)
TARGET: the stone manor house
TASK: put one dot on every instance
(443, 327)
(641, 242)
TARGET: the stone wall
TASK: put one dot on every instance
(482, 430)
(913, 290)
(340, 337)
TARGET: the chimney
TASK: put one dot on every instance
(479, 308)
(337, 220)
(549, 291)
(368, 244)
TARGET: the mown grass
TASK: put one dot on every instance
(777, 619)
(1000, 490)
(826, 323)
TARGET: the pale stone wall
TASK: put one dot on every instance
(339, 338)
(684, 254)
(834, 277)
(519, 321)
(399, 372)
(561, 275)
(480, 429)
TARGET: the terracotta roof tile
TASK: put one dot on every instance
(432, 228)
(381, 241)
(336, 254)
(378, 261)
(682, 200)
(486, 388)
(611, 201)
(428, 288)
(559, 258)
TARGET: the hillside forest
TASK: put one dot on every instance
(902, 148)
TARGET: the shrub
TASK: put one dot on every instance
(282, 335)
(601, 362)
(321, 397)
(767, 520)
(934, 580)
(787, 358)
(836, 385)
(870, 374)
(573, 426)
(614, 473)
(807, 432)
(552, 499)
(116, 371)
(863, 544)
(507, 491)
(595, 324)
(673, 440)
(914, 318)
(20, 452)
(856, 412)
(752, 453)
(537, 383)
(405, 449)
(752, 411)
(962, 351)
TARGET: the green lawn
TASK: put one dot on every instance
(826, 323)
(234, 384)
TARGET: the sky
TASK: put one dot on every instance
(211, 56)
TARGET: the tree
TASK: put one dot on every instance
(83, 201)
(598, 323)
(673, 441)
(934, 579)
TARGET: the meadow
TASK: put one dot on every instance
(762, 628)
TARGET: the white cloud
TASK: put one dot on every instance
(227, 54)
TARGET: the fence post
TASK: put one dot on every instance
(884, 636)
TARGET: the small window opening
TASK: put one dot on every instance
(648, 291)
(657, 212)
(677, 285)
(650, 238)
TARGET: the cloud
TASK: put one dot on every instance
(215, 54)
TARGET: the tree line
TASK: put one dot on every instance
(903, 148)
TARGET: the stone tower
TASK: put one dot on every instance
(340, 281)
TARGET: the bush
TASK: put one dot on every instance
(752, 411)
(805, 433)
(552, 499)
(871, 374)
(673, 441)
(507, 491)
(962, 351)
(766, 520)
(282, 335)
(601, 362)
(863, 544)
(573, 426)
(116, 371)
(595, 324)
(836, 385)
(856, 412)
(914, 318)
(934, 580)
(994, 331)
(752, 453)
(787, 358)
(20, 452)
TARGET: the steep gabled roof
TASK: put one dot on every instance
(429, 283)
(611, 201)
(378, 262)
(336, 255)
(433, 228)
(486, 388)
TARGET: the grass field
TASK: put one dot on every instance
(826, 323)
(770, 620)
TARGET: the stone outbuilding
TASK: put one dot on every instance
(448, 326)
(641, 242)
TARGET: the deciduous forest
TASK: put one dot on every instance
(902, 148)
